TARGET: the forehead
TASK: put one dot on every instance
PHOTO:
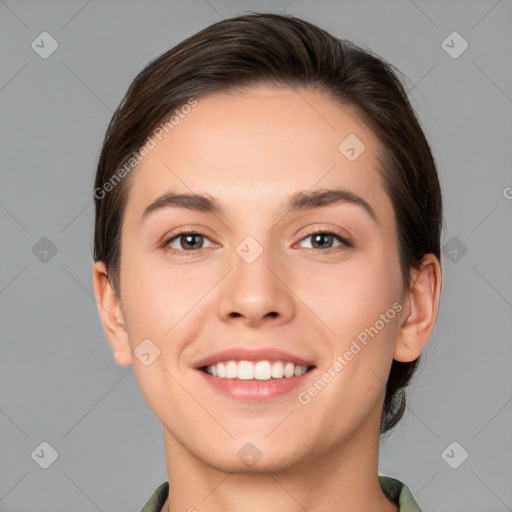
(254, 149)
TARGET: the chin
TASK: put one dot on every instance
(244, 456)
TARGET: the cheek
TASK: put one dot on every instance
(158, 296)
(358, 302)
(352, 293)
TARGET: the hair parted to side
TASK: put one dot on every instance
(260, 48)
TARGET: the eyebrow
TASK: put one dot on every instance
(299, 201)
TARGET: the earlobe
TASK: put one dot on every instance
(111, 315)
(420, 311)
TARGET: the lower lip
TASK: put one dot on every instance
(255, 390)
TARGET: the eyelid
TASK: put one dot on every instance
(319, 227)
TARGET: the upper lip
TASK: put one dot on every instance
(251, 354)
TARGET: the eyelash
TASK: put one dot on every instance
(344, 241)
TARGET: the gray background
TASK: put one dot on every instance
(59, 381)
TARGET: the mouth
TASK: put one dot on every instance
(254, 375)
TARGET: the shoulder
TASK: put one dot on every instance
(157, 500)
(399, 493)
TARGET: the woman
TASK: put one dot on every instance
(267, 248)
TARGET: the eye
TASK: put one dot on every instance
(325, 239)
(190, 241)
(187, 241)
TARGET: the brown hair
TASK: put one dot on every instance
(260, 48)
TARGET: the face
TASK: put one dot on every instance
(267, 278)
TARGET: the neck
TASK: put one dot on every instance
(344, 479)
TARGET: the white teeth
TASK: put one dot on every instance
(289, 370)
(245, 370)
(298, 371)
(260, 370)
(231, 370)
(278, 370)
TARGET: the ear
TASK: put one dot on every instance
(421, 305)
(109, 308)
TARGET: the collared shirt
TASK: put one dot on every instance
(395, 490)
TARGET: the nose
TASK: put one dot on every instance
(256, 293)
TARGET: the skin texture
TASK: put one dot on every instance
(251, 151)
